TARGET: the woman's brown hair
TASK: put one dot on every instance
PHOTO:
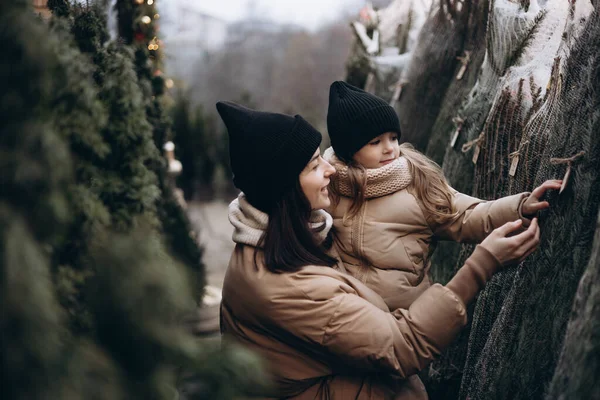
(289, 243)
(428, 183)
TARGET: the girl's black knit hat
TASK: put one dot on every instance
(355, 117)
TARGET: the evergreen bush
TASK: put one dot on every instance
(80, 226)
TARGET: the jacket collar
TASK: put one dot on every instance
(250, 223)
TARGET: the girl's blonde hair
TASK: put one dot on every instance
(428, 184)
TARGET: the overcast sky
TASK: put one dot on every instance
(308, 13)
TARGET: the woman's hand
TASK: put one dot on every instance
(513, 249)
(532, 205)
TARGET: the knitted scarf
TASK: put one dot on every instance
(380, 181)
(250, 223)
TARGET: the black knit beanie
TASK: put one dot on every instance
(355, 117)
(267, 151)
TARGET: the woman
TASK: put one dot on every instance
(324, 334)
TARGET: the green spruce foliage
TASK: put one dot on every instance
(197, 145)
(139, 35)
(80, 227)
(80, 118)
(99, 111)
(34, 174)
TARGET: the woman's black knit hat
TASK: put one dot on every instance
(355, 117)
(267, 151)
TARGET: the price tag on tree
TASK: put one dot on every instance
(476, 153)
(513, 166)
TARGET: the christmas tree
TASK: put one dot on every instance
(199, 146)
(35, 173)
(138, 26)
(78, 223)
(503, 114)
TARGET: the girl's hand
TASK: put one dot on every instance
(512, 249)
(532, 205)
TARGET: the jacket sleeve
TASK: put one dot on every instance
(399, 343)
(478, 218)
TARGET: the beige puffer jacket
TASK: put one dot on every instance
(393, 237)
(325, 335)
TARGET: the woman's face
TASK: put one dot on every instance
(380, 151)
(314, 179)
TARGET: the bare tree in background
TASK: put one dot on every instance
(285, 70)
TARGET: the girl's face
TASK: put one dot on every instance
(314, 179)
(380, 151)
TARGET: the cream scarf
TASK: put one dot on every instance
(381, 181)
(250, 223)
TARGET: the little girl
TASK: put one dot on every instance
(391, 204)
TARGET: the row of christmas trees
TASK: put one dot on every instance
(96, 256)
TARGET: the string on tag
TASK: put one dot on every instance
(569, 161)
(514, 156)
(458, 122)
(469, 145)
(475, 142)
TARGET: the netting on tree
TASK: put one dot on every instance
(384, 41)
(508, 127)
(579, 361)
(549, 139)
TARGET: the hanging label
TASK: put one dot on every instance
(458, 122)
(513, 166)
(565, 179)
(461, 72)
(455, 136)
(465, 62)
(476, 153)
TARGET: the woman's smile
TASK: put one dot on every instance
(314, 180)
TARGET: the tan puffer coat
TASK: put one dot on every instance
(325, 335)
(392, 235)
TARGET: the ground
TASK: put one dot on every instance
(212, 222)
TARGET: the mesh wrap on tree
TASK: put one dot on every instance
(536, 97)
